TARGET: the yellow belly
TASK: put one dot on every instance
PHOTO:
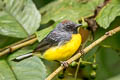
(65, 51)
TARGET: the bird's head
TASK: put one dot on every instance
(69, 26)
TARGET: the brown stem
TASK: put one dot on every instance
(75, 57)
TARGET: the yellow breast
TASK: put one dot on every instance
(65, 51)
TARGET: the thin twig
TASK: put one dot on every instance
(76, 72)
(78, 55)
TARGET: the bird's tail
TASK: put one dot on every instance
(19, 58)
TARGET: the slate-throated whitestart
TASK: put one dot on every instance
(60, 44)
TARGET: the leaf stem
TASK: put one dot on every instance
(76, 72)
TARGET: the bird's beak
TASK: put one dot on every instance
(78, 25)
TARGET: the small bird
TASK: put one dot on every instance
(60, 44)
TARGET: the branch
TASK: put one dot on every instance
(20, 44)
(78, 55)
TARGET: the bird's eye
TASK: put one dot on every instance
(68, 26)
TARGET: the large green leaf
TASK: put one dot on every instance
(27, 69)
(108, 63)
(19, 18)
(68, 9)
(108, 13)
(5, 71)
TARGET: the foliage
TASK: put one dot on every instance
(22, 18)
(108, 13)
(16, 16)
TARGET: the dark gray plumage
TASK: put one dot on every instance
(60, 35)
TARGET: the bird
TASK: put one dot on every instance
(60, 44)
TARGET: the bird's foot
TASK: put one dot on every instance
(64, 63)
(82, 51)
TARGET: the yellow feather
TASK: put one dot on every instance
(65, 51)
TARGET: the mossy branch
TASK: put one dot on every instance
(78, 55)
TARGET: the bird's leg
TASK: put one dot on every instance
(82, 51)
(65, 65)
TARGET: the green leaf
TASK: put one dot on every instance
(68, 9)
(108, 63)
(115, 77)
(51, 66)
(47, 28)
(41, 3)
(108, 14)
(19, 18)
(28, 69)
(5, 71)
(43, 33)
(1, 4)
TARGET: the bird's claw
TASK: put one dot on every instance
(82, 51)
(64, 63)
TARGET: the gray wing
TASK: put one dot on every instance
(54, 38)
(58, 36)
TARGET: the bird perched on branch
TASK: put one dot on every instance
(60, 44)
